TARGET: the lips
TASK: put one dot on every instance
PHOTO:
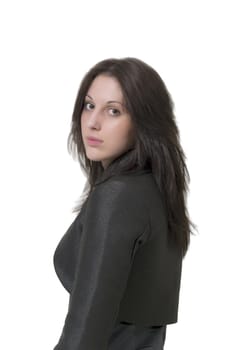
(91, 138)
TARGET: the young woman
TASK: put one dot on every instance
(121, 258)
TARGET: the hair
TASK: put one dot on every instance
(157, 144)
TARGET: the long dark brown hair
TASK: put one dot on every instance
(157, 147)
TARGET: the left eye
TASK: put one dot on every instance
(115, 111)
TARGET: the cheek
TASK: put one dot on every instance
(128, 135)
(131, 140)
(131, 133)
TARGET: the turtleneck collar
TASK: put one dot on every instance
(127, 172)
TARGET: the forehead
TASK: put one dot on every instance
(105, 87)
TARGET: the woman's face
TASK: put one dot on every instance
(104, 117)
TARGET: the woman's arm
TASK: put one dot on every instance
(113, 220)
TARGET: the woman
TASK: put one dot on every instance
(121, 258)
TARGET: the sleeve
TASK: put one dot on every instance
(113, 220)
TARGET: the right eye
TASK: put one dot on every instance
(87, 105)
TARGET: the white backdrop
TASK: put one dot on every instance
(46, 47)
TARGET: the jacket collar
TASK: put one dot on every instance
(127, 172)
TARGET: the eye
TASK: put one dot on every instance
(115, 111)
(86, 105)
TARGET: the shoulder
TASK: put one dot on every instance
(118, 205)
(132, 186)
(126, 193)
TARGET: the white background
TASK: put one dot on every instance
(46, 47)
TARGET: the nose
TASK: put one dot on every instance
(94, 119)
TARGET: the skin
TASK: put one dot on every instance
(109, 122)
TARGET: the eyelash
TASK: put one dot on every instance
(114, 109)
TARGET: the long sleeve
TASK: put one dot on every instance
(113, 219)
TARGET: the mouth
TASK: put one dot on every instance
(93, 141)
(94, 138)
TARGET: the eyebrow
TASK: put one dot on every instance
(107, 101)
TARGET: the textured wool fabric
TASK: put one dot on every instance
(118, 266)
